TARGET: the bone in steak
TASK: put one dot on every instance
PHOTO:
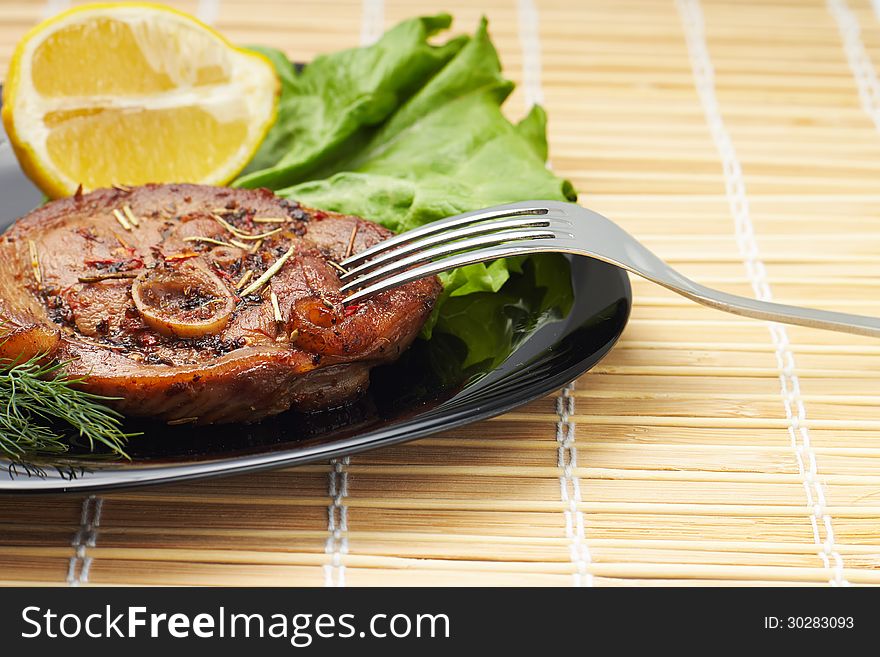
(153, 294)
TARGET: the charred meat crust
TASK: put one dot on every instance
(66, 276)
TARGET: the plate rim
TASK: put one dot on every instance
(406, 431)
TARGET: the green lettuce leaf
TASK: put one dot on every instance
(404, 133)
(493, 324)
(328, 108)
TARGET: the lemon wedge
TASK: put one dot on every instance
(133, 93)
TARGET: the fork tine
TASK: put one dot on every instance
(442, 225)
(469, 258)
(445, 249)
(445, 237)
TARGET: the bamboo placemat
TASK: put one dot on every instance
(741, 141)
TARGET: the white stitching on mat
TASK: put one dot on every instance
(85, 537)
(570, 488)
(795, 411)
(337, 523)
(859, 61)
(53, 7)
(566, 459)
(207, 11)
(372, 21)
(530, 42)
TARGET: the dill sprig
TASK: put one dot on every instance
(42, 413)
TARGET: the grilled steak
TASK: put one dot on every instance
(201, 304)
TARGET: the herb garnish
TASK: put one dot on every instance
(42, 413)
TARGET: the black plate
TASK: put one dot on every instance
(423, 393)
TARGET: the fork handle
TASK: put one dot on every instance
(774, 312)
(622, 249)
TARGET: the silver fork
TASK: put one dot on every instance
(550, 226)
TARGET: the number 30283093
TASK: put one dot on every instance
(809, 622)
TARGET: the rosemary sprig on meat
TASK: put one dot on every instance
(35, 262)
(242, 235)
(42, 413)
(337, 267)
(97, 278)
(123, 221)
(206, 240)
(132, 219)
(244, 279)
(269, 273)
(350, 247)
(271, 220)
